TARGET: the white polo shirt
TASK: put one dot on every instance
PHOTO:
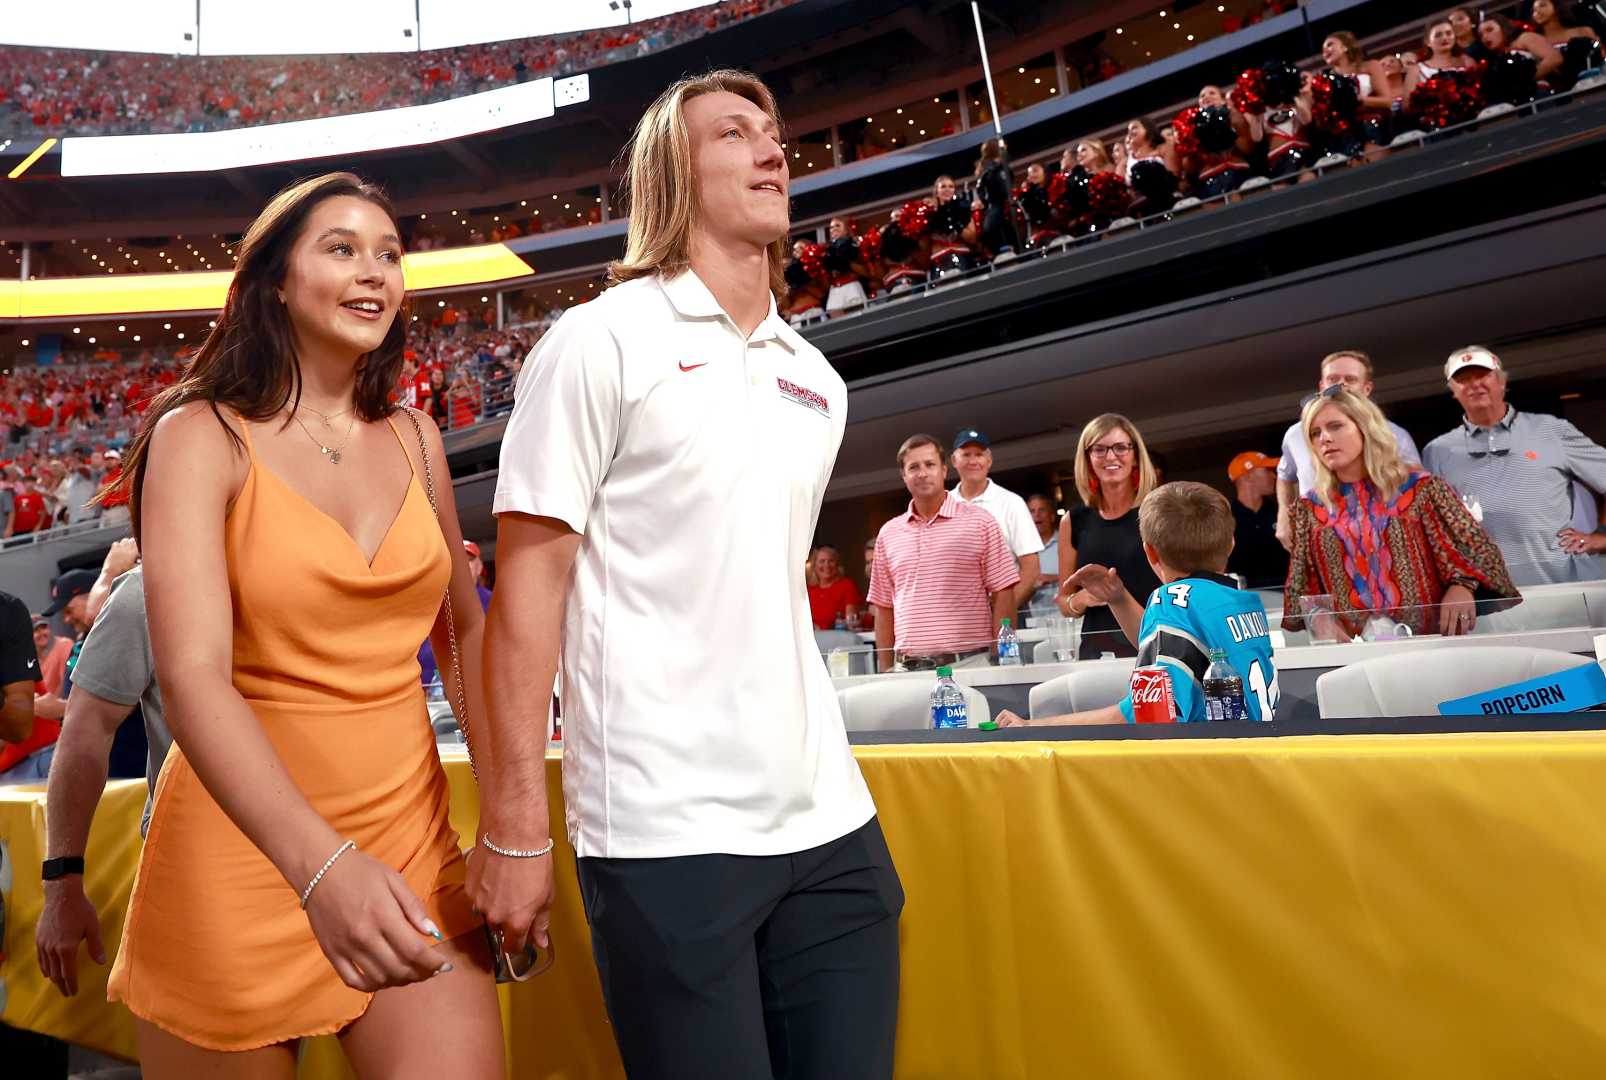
(1013, 517)
(699, 717)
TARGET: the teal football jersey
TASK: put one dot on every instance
(1186, 619)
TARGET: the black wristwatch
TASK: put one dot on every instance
(59, 868)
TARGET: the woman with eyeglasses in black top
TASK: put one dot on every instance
(1113, 475)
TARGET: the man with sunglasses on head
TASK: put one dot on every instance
(1521, 475)
(1347, 369)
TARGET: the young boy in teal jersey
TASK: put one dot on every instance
(1187, 531)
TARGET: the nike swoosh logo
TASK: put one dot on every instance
(693, 367)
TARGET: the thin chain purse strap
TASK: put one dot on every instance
(451, 623)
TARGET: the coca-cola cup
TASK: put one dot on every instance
(1152, 699)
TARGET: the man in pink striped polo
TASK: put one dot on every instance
(943, 577)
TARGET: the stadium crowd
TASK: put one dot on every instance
(67, 91)
(64, 424)
(1270, 126)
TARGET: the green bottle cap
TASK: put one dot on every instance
(1006, 622)
(986, 725)
(945, 672)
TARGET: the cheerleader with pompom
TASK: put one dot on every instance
(845, 269)
(805, 280)
(1519, 61)
(1037, 206)
(1375, 106)
(950, 252)
(1152, 168)
(1578, 44)
(900, 243)
(1442, 54)
(1068, 191)
(1215, 142)
(1276, 98)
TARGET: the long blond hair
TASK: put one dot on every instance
(1380, 452)
(660, 184)
(1142, 467)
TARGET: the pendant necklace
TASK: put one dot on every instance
(331, 452)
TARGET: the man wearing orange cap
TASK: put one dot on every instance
(1257, 555)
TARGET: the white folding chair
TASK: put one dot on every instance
(1094, 686)
(901, 704)
(1412, 681)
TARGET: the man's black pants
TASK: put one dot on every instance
(741, 967)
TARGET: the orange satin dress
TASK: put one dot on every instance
(216, 948)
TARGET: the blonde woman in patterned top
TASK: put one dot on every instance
(1385, 537)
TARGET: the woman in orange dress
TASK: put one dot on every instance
(300, 876)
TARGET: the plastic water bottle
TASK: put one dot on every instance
(948, 702)
(1008, 646)
(1223, 689)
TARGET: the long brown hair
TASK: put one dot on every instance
(660, 184)
(248, 363)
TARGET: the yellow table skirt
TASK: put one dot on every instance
(1323, 906)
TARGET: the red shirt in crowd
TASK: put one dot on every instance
(28, 512)
(828, 602)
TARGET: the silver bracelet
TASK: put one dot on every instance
(514, 853)
(324, 869)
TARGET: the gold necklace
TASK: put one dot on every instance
(326, 417)
(331, 452)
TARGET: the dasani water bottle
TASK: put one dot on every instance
(948, 702)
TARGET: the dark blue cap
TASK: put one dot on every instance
(971, 435)
(64, 588)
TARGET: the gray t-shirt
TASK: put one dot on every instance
(116, 664)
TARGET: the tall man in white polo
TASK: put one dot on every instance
(1352, 370)
(973, 461)
(663, 469)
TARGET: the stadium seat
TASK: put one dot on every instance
(1412, 682)
(1254, 183)
(1187, 204)
(1406, 138)
(1329, 161)
(902, 704)
(1499, 108)
(1122, 223)
(1090, 687)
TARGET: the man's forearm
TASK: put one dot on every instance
(883, 638)
(1287, 495)
(1028, 581)
(521, 654)
(77, 778)
(1003, 607)
(16, 721)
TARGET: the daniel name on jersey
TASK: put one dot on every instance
(1185, 619)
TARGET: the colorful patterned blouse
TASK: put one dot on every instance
(1396, 556)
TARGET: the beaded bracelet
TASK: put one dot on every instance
(514, 853)
(324, 869)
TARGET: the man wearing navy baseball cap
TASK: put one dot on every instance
(1522, 475)
(973, 461)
